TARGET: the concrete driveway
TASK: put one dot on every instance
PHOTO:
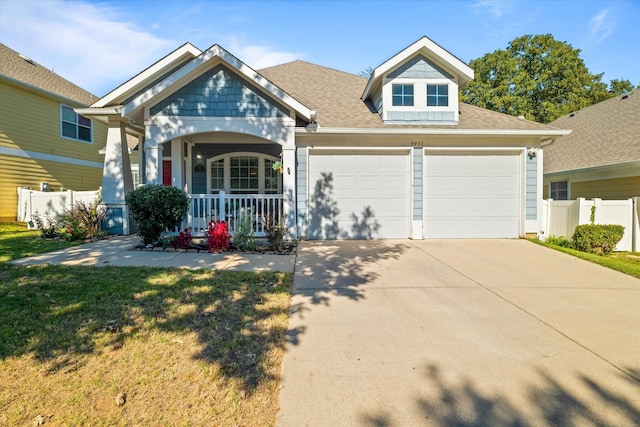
(459, 333)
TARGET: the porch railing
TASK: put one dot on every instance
(263, 209)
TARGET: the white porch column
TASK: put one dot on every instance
(152, 164)
(116, 178)
(177, 160)
(289, 182)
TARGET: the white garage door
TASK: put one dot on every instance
(471, 195)
(358, 195)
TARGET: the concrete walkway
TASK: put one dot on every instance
(117, 251)
(459, 333)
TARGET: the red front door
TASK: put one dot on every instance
(166, 172)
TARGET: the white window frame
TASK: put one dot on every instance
(403, 96)
(426, 88)
(76, 124)
(227, 171)
(419, 96)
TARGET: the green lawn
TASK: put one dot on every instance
(186, 347)
(624, 262)
(16, 241)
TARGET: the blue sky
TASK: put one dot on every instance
(100, 44)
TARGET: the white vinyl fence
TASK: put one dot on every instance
(53, 202)
(561, 217)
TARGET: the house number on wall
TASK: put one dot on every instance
(417, 143)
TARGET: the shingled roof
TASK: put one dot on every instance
(335, 96)
(23, 69)
(602, 134)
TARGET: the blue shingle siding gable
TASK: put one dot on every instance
(435, 117)
(419, 68)
(531, 191)
(218, 93)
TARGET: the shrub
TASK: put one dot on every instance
(243, 237)
(559, 241)
(156, 208)
(218, 236)
(82, 221)
(275, 235)
(599, 239)
(48, 226)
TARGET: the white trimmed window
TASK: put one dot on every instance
(75, 126)
(243, 173)
(402, 95)
(437, 95)
(559, 190)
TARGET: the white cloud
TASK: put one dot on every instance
(259, 56)
(89, 44)
(601, 26)
(497, 8)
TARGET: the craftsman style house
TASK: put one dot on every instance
(330, 154)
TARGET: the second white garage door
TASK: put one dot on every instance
(358, 195)
(471, 195)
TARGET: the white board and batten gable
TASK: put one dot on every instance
(418, 85)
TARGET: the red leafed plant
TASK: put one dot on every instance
(218, 236)
(183, 241)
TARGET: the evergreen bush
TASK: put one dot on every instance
(599, 239)
(156, 208)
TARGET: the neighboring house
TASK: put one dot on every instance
(393, 156)
(601, 156)
(43, 141)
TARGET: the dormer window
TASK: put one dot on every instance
(402, 95)
(437, 95)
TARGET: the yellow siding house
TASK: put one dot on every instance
(601, 156)
(42, 140)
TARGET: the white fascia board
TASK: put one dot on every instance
(602, 168)
(431, 49)
(139, 81)
(216, 52)
(40, 91)
(93, 111)
(432, 131)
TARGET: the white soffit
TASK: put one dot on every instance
(217, 54)
(431, 50)
(184, 53)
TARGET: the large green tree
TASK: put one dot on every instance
(537, 77)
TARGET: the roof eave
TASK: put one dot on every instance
(139, 81)
(213, 52)
(542, 133)
(44, 92)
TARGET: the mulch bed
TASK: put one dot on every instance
(289, 248)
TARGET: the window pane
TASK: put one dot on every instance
(397, 100)
(396, 90)
(68, 115)
(408, 89)
(69, 130)
(437, 95)
(84, 133)
(84, 121)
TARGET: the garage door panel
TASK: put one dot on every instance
(471, 195)
(369, 198)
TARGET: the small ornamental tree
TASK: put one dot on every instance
(156, 208)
